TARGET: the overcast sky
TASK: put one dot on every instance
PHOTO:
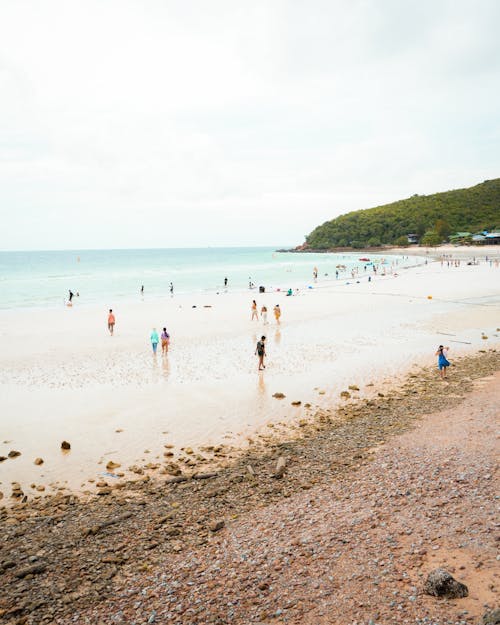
(143, 123)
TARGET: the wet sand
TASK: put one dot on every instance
(372, 497)
(62, 377)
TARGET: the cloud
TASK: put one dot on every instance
(168, 124)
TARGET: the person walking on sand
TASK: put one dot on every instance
(277, 313)
(154, 340)
(111, 322)
(165, 340)
(254, 311)
(443, 364)
(263, 314)
(261, 352)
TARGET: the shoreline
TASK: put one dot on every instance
(412, 250)
(163, 519)
(112, 401)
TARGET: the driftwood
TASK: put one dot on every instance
(113, 521)
(204, 476)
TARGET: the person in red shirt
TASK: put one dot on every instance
(111, 322)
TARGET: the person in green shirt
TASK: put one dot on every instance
(155, 339)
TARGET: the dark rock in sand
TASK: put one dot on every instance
(65, 445)
(440, 583)
(491, 618)
(14, 454)
(279, 396)
(38, 461)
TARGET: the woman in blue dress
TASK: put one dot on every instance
(443, 363)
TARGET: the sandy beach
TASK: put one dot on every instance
(370, 498)
(64, 378)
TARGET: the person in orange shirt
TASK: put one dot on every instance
(111, 322)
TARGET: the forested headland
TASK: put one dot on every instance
(433, 218)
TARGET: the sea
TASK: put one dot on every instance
(44, 278)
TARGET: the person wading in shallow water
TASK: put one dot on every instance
(111, 322)
(254, 311)
(261, 352)
(443, 364)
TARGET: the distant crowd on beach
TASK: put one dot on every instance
(163, 338)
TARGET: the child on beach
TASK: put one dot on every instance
(154, 340)
(111, 321)
(254, 311)
(277, 313)
(263, 314)
(443, 364)
(165, 340)
(261, 352)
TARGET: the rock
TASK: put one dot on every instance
(217, 525)
(40, 488)
(280, 467)
(14, 454)
(440, 583)
(112, 465)
(34, 569)
(491, 617)
(279, 396)
(38, 461)
(296, 403)
(188, 450)
(2, 458)
(1, 495)
(104, 491)
(172, 469)
(65, 445)
(353, 387)
(345, 395)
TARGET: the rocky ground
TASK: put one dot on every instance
(338, 526)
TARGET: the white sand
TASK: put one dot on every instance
(63, 377)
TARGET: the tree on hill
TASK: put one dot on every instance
(474, 209)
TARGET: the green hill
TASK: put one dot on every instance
(467, 210)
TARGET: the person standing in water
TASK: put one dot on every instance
(165, 340)
(142, 289)
(443, 364)
(254, 311)
(111, 322)
(277, 313)
(70, 297)
(261, 352)
(171, 289)
(225, 281)
(154, 340)
(263, 314)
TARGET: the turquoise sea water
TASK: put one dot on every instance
(43, 278)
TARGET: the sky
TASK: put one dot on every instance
(161, 123)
